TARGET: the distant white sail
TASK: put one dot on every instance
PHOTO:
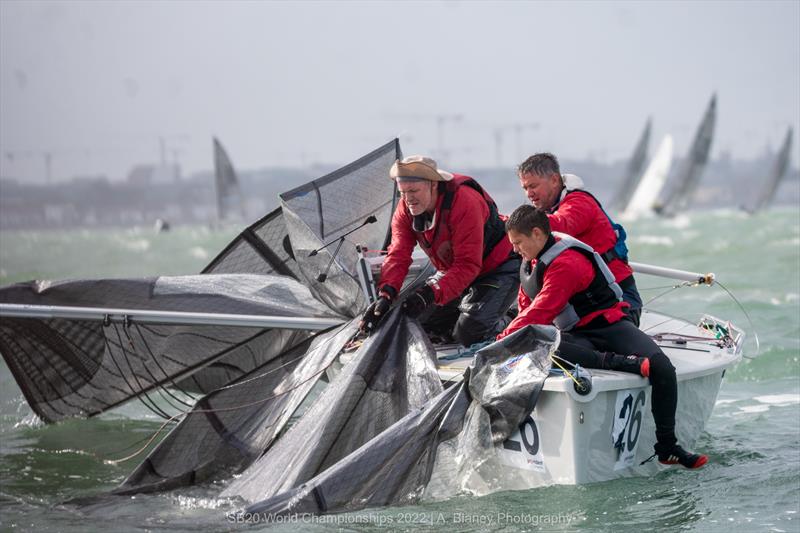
(633, 173)
(230, 203)
(688, 178)
(777, 174)
(643, 198)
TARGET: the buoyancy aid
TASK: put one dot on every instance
(573, 183)
(602, 293)
(494, 230)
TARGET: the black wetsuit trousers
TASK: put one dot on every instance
(479, 314)
(594, 347)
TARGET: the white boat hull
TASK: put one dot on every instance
(568, 440)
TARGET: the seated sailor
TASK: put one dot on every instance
(565, 283)
(573, 210)
(457, 225)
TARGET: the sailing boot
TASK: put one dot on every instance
(627, 363)
(674, 454)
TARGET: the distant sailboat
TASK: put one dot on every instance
(230, 202)
(644, 197)
(688, 178)
(777, 174)
(634, 171)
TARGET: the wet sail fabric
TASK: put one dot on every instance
(230, 202)
(391, 374)
(778, 172)
(633, 173)
(72, 367)
(498, 391)
(325, 209)
(231, 427)
(262, 248)
(680, 194)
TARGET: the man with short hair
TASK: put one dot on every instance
(457, 225)
(577, 212)
(565, 283)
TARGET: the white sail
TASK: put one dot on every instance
(633, 174)
(645, 195)
(777, 174)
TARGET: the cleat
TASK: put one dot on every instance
(677, 455)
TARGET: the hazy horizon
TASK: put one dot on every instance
(98, 85)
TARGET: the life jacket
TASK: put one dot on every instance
(494, 229)
(602, 293)
(620, 249)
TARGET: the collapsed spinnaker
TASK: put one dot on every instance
(450, 437)
(231, 427)
(392, 374)
(79, 367)
(325, 209)
(70, 367)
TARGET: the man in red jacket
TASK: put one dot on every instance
(457, 225)
(564, 283)
(576, 212)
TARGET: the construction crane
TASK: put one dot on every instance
(440, 120)
(47, 155)
(517, 128)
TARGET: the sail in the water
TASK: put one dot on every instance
(77, 367)
(633, 173)
(230, 202)
(643, 198)
(777, 174)
(685, 183)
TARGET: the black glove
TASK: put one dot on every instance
(377, 310)
(418, 302)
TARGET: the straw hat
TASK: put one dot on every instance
(418, 167)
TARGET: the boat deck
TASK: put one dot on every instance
(694, 351)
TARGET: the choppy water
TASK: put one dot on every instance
(753, 438)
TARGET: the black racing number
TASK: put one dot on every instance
(631, 412)
(531, 445)
(636, 420)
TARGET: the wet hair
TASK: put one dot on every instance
(541, 164)
(525, 218)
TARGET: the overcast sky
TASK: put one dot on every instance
(97, 84)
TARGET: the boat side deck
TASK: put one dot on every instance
(693, 350)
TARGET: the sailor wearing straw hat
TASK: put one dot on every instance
(456, 223)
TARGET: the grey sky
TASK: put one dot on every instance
(289, 83)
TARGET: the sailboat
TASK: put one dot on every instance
(774, 179)
(392, 418)
(644, 197)
(230, 202)
(633, 173)
(680, 194)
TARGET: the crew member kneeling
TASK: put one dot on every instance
(456, 223)
(565, 283)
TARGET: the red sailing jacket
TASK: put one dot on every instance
(568, 274)
(456, 247)
(579, 215)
